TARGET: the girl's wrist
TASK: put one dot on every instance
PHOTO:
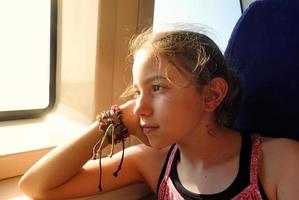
(111, 124)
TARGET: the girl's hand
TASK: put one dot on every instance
(131, 121)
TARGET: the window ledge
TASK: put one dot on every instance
(23, 142)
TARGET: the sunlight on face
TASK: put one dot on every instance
(162, 102)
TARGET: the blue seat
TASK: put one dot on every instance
(264, 48)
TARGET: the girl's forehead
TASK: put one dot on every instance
(146, 65)
(142, 57)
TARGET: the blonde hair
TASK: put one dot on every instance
(194, 54)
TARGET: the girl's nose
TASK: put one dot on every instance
(142, 106)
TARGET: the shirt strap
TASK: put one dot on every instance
(170, 160)
(255, 154)
(163, 189)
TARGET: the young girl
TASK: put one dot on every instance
(185, 99)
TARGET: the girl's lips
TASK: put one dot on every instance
(148, 129)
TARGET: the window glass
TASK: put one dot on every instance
(28, 57)
(216, 18)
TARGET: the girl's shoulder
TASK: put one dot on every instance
(279, 148)
(149, 162)
(279, 166)
(280, 153)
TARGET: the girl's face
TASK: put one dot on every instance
(168, 105)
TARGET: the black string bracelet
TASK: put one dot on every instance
(115, 132)
(114, 173)
(122, 159)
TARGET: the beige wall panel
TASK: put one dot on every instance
(127, 22)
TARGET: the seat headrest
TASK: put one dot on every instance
(264, 48)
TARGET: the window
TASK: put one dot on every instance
(216, 18)
(28, 58)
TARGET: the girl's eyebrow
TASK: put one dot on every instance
(152, 79)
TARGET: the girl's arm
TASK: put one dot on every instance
(288, 178)
(61, 174)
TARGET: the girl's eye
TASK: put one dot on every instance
(156, 88)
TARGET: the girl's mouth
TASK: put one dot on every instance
(148, 129)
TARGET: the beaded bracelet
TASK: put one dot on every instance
(115, 132)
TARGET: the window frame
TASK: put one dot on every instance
(35, 113)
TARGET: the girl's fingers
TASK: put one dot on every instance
(131, 121)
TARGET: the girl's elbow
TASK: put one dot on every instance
(29, 189)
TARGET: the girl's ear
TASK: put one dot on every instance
(214, 93)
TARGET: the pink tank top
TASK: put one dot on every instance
(167, 190)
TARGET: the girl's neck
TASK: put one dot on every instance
(209, 147)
